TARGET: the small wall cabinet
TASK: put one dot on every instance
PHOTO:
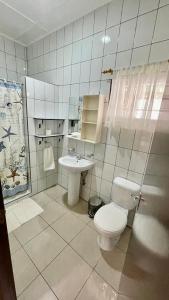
(92, 118)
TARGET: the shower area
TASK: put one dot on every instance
(13, 155)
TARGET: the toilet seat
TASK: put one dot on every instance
(110, 220)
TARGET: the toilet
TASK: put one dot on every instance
(111, 219)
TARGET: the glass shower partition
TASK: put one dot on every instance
(13, 156)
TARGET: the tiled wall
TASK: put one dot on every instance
(74, 57)
(13, 63)
(41, 104)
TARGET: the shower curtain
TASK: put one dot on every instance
(13, 162)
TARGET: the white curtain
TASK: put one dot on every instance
(136, 97)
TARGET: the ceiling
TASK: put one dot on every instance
(26, 21)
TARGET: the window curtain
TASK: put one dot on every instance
(13, 162)
(136, 97)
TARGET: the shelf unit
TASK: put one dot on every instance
(44, 136)
(92, 118)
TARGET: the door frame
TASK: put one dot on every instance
(7, 285)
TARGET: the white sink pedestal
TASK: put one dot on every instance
(73, 188)
(74, 166)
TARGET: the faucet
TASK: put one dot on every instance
(79, 156)
(71, 151)
(91, 155)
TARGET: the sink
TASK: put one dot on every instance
(74, 166)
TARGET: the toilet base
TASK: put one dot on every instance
(107, 244)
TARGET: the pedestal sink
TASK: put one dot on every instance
(74, 166)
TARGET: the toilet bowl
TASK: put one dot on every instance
(111, 219)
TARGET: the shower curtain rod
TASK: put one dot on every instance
(111, 71)
(12, 81)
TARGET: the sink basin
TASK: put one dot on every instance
(74, 166)
(71, 163)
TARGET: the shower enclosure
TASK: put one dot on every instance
(13, 156)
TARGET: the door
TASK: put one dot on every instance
(146, 268)
(7, 286)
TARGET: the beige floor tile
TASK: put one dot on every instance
(85, 243)
(42, 199)
(67, 274)
(24, 270)
(52, 212)
(81, 211)
(30, 229)
(122, 297)
(68, 226)
(91, 224)
(97, 289)
(38, 290)
(12, 221)
(56, 192)
(124, 239)
(44, 247)
(14, 244)
(110, 266)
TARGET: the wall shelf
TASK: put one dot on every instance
(80, 139)
(46, 119)
(92, 118)
(48, 136)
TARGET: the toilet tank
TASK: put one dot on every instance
(124, 191)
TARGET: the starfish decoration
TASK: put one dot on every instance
(8, 133)
(2, 146)
(13, 174)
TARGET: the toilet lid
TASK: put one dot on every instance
(110, 218)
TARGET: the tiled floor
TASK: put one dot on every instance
(55, 255)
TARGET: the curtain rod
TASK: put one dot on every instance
(110, 71)
(14, 82)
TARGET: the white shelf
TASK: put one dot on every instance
(90, 123)
(47, 119)
(48, 136)
(79, 139)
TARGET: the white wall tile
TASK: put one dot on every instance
(110, 154)
(123, 158)
(46, 44)
(67, 55)
(2, 60)
(68, 34)
(127, 31)
(163, 2)
(159, 51)
(146, 6)
(99, 151)
(138, 161)
(108, 62)
(162, 25)
(88, 25)
(100, 18)
(11, 62)
(98, 44)
(120, 172)
(114, 12)
(126, 138)
(86, 48)
(76, 52)
(145, 28)
(96, 67)
(142, 141)
(77, 29)
(123, 59)
(108, 172)
(140, 55)
(85, 71)
(130, 9)
(67, 75)
(2, 44)
(105, 189)
(9, 47)
(53, 41)
(59, 57)
(112, 33)
(75, 78)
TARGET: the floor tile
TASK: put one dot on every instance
(44, 247)
(30, 229)
(81, 211)
(14, 244)
(124, 240)
(56, 192)
(85, 243)
(97, 289)
(68, 226)
(24, 270)
(12, 221)
(42, 199)
(26, 209)
(52, 212)
(110, 266)
(67, 274)
(38, 290)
